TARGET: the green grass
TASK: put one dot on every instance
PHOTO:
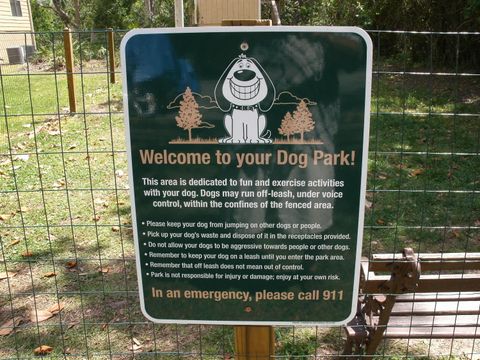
(299, 345)
(424, 164)
(68, 201)
(424, 93)
(65, 198)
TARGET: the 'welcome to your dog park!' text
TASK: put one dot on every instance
(241, 159)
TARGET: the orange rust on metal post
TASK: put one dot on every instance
(67, 42)
(254, 342)
(111, 54)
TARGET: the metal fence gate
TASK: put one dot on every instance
(67, 272)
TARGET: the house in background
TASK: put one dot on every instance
(16, 31)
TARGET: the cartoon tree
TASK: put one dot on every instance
(188, 116)
(303, 119)
(287, 127)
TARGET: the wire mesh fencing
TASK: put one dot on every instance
(67, 268)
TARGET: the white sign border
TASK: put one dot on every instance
(239, 29)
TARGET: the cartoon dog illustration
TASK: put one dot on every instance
(245, 92)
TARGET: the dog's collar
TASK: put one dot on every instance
(246, 107)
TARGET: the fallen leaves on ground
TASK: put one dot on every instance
(37, 316)
(104, 269)
(9, 326)
(136, 346)
(43, 350)
(5, 217)
(5, 162)
(49, 274)
(20, 146)
(55, 309)
(13, 242)
(27, 254)
(59, 184)
(72, 324)
(5, 275)
(101, 202)
(416, 172)
(455, 233)
(71, 264)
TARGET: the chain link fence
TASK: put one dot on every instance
(67, 268)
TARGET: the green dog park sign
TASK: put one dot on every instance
(247, 152)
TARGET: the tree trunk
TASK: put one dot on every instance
(275, 14)
(62, 14)
(78, 19)
(301, 136)
(190, 135)
(148, 9)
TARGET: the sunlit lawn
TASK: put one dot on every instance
(64, 208)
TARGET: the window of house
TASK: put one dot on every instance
(16, 7)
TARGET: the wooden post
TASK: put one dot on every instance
(67, 42)
(254, 342)
(251, 342)
(111, 54)
(247, 22)
(212, 12)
